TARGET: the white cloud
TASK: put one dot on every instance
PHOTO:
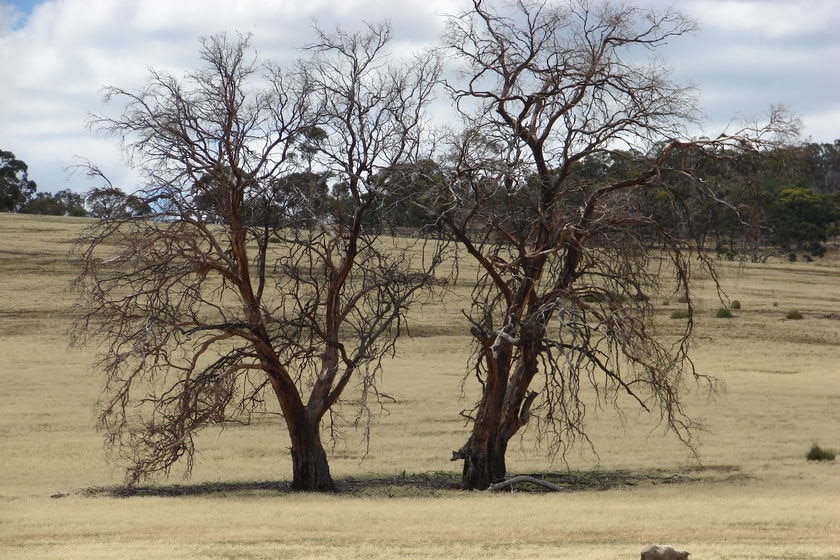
(746, 56)
(9, 16)
(66, 51)
(770, 19)
(822, 126)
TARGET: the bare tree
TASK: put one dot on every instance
(236, 289)
(566, 258)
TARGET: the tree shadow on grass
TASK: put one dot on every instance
(433, 483)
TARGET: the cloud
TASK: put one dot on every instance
(57, 62)
(9, 16)
(769, 19)
(749, 55)
(822, 126)
(746, 56)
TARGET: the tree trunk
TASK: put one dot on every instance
(484, 462)
(310, 468)
(503, 410)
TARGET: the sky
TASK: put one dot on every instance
(57, 55)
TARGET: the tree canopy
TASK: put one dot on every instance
(15, 186)
(62, 203)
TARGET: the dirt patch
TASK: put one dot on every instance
(435, 483)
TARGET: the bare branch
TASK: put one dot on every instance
(569, 133)
(254, 275)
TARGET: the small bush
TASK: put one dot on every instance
(793, 314)
(723, 313)
(679, 314)
(817, 453)
(735, 304)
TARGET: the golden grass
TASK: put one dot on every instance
(782, 394)
(712, 522)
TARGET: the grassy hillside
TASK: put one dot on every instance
(755, 495)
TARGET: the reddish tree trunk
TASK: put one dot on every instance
(310, 468)
(484, 452)
(484, 462)
(503, 410)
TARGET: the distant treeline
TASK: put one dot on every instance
(783, 202)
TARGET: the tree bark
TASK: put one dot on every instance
(503, 410)
(310, 468)
(484, 464)
(484, 461)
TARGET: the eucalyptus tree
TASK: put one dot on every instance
(237, 296)
(565, 254)
(15, 186)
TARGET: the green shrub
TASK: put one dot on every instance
(723, 313)
(817, 453)
(679, 314)
(735, 304)
(793, 314)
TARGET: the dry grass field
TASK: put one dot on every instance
(752, 495)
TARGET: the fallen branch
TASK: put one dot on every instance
(524, 478)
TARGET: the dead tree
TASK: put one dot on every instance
(244, 287)
(566, 259)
